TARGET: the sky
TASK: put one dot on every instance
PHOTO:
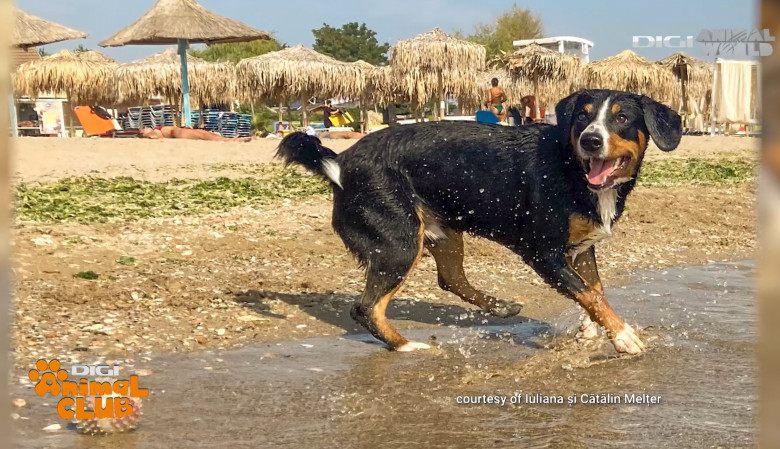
(609, 24)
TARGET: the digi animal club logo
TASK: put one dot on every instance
(716, 42)
(97, 405)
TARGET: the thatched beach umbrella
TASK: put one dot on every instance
(551, 74)
(181, 22)
(435, 64)
(633, 73)
(160, 74)
(371, 77)
(298, 72)
(693, 75)
(86, 77)
(32, 31)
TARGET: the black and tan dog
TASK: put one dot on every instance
(548, 193)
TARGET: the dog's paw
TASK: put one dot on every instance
(505, 309)
(627, 341)
(412, 346)
(588, 331)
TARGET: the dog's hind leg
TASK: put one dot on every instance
(447, 250)
(387, 269)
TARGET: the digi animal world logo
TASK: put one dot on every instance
(116, 396)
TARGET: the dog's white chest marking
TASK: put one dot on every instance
(607, 206)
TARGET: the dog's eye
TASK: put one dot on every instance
(621, 118)
(581, 117)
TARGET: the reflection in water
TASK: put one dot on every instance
(351, 393)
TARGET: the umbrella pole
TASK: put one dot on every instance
(281, 111)
(442, 98)
(713, 98)
(14, 122)
(304, 117)
(71, 126)
(535, 112)
(363, 117)
(684, 104)
(185, 83)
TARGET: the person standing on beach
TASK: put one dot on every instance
(496, 98)
(327, 113)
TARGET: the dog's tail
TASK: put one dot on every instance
(303, 149)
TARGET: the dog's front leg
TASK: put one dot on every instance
(561, 276)
(585, 265)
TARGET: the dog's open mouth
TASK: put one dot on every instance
(603, 172)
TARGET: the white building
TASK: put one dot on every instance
(571, 45)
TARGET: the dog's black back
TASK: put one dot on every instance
(512, 185)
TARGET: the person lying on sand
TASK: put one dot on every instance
(174, 132)
(341, 135)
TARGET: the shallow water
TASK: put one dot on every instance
(700, 325)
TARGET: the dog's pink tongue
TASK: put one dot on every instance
(599, 171)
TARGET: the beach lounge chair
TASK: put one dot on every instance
(96, 122)
(486, 117)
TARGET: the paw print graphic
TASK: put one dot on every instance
(47, 381)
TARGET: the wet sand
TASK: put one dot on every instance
(700, 323)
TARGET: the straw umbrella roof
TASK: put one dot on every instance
(434, 64)
(369, 73)
(32, 31)
(382, 85)
(171, 20)
(86, 77)
(297, 72)
(696, 73)
(534, 62)
(371, 78)
(551, 75)
(438, 51)
(160, 74)
(631, 72)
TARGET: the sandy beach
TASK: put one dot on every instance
(38, 159)
(257, 273)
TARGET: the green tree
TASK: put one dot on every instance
(236, 51)
(42, 52)
(511, 25)
(80, 49)
(350, 43)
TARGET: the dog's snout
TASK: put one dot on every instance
(591, 142)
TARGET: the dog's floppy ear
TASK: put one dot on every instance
(665, 125)
(563, 113)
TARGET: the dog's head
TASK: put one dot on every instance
(607, 132)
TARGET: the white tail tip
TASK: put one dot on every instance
(332, 171)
